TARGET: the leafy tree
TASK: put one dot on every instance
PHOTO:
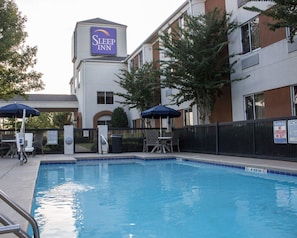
(142, 87)
(284, 14)
(49, 120)
(44, 120)
(60, 119)
(197, 60)
(119, 118)
(16, 59)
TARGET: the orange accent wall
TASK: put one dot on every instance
(179, 121)
(222, 111)
(156, 55)
(268, 37)
(138, 123)
(211, 4)
(278, 102)
(136, 61)
(174, 25)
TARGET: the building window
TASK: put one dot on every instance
(131, 64)
(254, 106)
(104, 120)
(250, 36)
(134, 124)
(181, 22)
(291, 34)
(104, 97)
(188, 117)
(109, 97)
(140, 59)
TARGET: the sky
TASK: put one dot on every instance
(50, 25)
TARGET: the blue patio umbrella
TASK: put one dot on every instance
(15, 110)
(159, 112)
(18, 110)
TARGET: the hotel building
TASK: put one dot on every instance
(264, 58)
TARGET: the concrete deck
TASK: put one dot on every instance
(18, 181)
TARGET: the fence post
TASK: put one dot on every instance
(68, 140)
(254, 138)
(217, 138)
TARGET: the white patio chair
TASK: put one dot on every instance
(29, 148)
(150, 140)
(174, 141)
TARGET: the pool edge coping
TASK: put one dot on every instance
(235, 164)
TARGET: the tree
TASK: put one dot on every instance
(44, 120)
(60, 119)
(119, 118)
(16, 59)
(284, 14)
(197, 60)
(49, 120)
(141, 85)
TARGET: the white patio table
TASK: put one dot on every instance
(162, 144)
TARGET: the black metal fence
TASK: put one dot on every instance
(48, 148)
(85, 140)
(132, 139)
(242, 138)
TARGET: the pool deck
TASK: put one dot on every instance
(18, 181)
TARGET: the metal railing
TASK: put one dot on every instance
(103, 142)
(9, 226)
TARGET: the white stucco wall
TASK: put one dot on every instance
(90, 74)
(100, 76)
(83, 41)
(276, 68)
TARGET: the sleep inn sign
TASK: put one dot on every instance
(103, 41)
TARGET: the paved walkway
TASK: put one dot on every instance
(18, 182)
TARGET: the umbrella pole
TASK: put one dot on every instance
(15, 125)
(160, 126)
(23, 122)
(22, 155)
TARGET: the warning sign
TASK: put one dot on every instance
(280, 132)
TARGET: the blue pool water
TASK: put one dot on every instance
(168, 198)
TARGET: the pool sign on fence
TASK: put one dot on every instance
(280, 132)
(103, 41)
(292, 131)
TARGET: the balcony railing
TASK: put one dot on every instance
(240, 3)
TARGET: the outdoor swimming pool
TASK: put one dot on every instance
(164, 198)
